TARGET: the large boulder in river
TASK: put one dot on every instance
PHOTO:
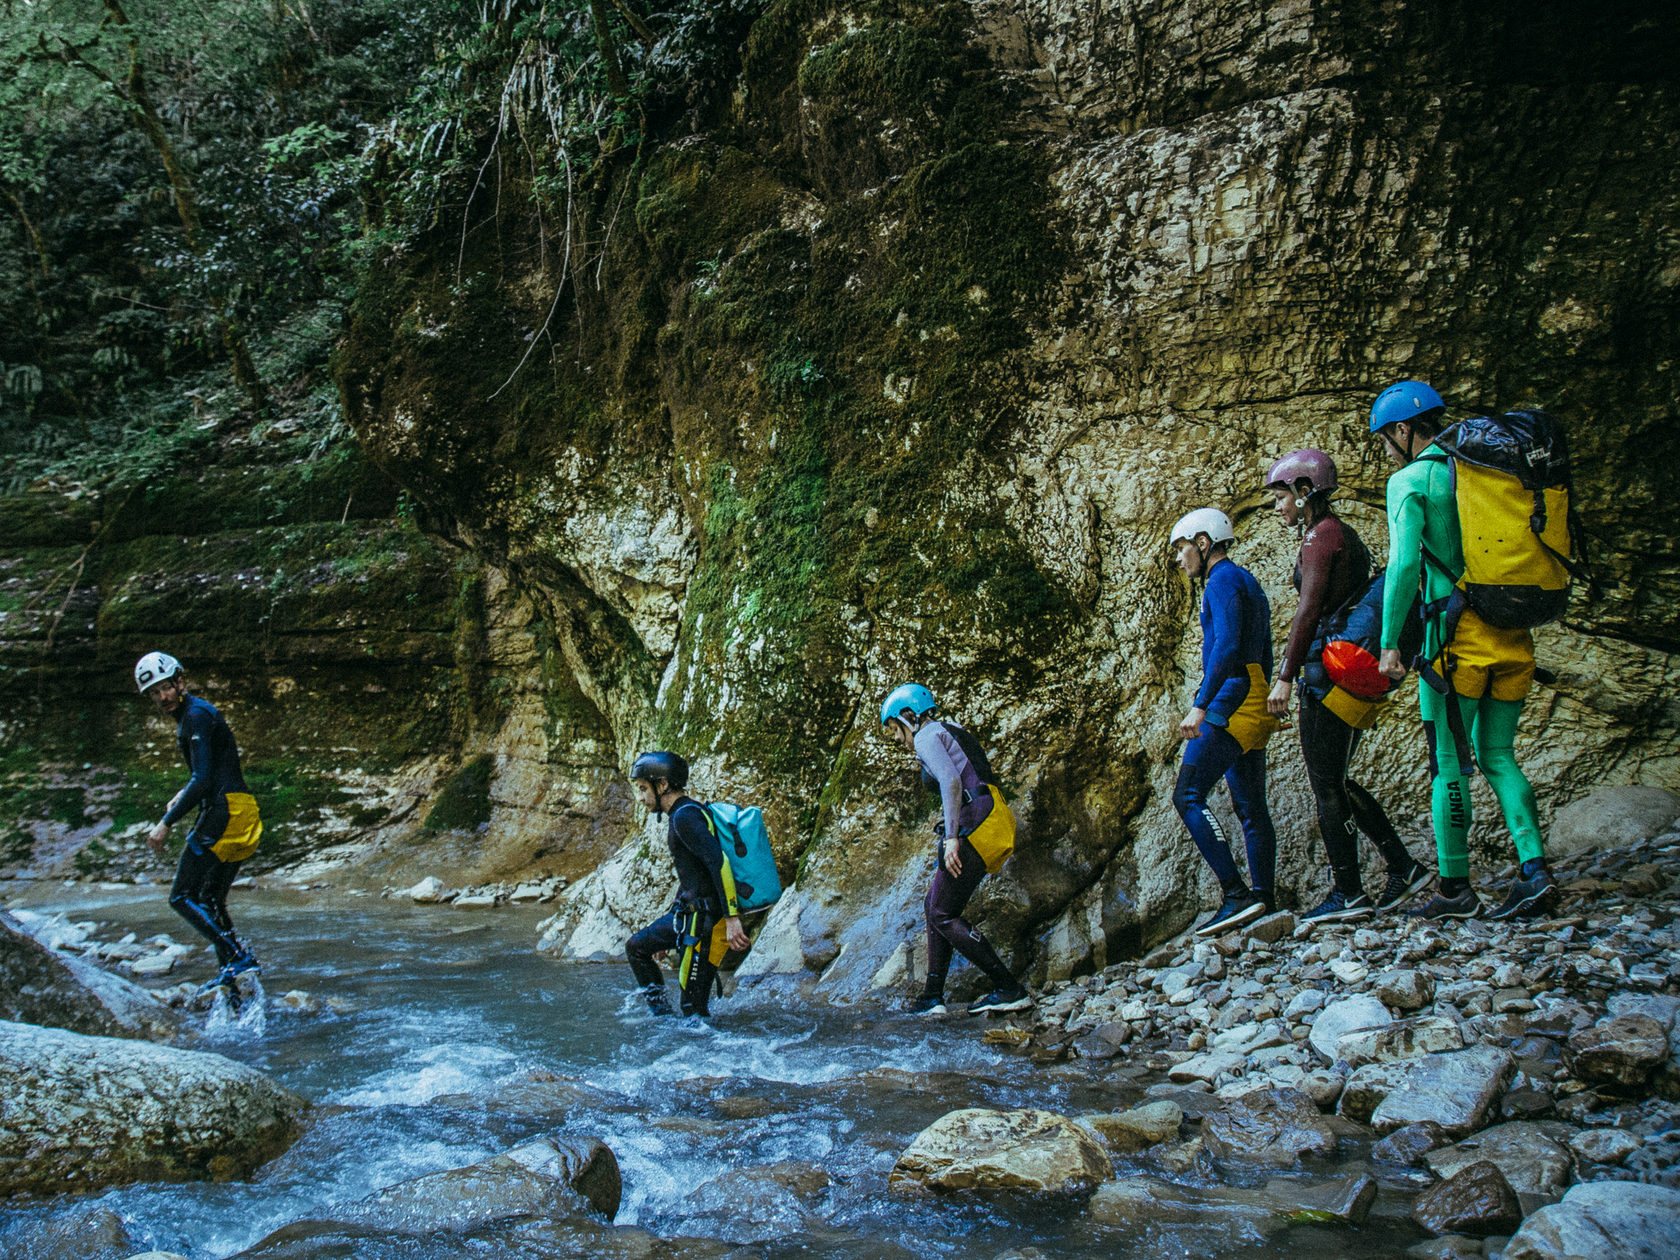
(41, 986)
(1602, 1220)
(1612, 817)
(82, 1112)
(977, 1149)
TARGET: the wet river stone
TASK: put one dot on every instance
(1406, 990)
(1527, 1154)
(1620, 1051)
(1475, 1200)
(1603, 1146)
(1455, 1091)
(555, 1177)
(1403, 1039)
(82, 1112)
(41, 986)
(1604, 1220)
(1340, 1018)
(977, 1149)
(1406, 1146)
(1139, 1128)
(1140, 1202)
(1269, 1127)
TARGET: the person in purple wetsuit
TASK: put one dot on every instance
(1332, 568)
(952, 761)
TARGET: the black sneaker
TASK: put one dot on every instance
(657, 1001)
(1340, 907)
(224, 978)
(1527, 898)
(1402, 887)
(925, 1005)
(1239, 910)
(1464, 906)
(1002, 1001)
(239, 966)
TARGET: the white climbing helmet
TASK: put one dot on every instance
(153, 668)
(1210, 521)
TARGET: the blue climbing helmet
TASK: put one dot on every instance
(1405, 400)
(912, 696)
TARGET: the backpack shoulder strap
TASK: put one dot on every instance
(705, 811)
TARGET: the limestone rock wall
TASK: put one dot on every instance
(397, 704)
(903, 365)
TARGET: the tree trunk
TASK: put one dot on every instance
(186, 205)
(616, 82)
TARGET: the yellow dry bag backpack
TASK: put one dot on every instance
(1511, 480)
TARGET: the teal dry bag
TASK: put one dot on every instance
(746, 847)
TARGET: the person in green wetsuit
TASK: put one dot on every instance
(1491, 669)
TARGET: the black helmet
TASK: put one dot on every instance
(654, 766)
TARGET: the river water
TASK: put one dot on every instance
(461, 1042)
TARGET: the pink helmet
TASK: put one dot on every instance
(1314, 467)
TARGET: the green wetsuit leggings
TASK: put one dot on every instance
(1493, 731)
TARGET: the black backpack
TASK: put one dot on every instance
(1349, 643)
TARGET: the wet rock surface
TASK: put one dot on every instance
(558, 1177)
(1027, 1150)
(41, 983)
(1607, 1220)
(1475, 1200)
(1270, 1127)
(1491, 1067)
(83, 1112)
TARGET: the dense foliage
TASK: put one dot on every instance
(188, 188)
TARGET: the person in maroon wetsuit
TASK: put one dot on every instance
(1332, 568)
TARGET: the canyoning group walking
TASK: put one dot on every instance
(1479, 542)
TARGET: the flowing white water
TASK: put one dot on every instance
(459, 1043)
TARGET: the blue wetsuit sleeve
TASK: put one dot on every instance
(695, 836)
(938, 762)
(199, 755)
(1225, 662)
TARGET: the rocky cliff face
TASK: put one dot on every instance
(396, 703)
(903, 365)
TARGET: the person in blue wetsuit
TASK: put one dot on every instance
(1226, 730)
(228, 825)
(704, 918)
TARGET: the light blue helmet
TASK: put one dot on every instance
(1403, 401)
(913, 696)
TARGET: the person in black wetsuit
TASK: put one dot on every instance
(705, 894)
(228, 825)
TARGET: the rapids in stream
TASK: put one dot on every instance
(460, 1042)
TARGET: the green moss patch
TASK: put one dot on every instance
(463, 803)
